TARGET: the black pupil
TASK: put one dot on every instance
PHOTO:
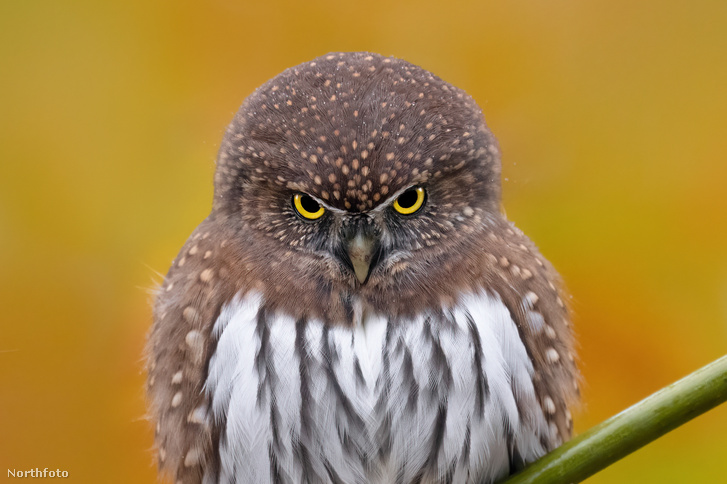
(408, 199)
(309, 204)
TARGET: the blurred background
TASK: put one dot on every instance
(612, 119)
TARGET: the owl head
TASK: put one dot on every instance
(365, 176)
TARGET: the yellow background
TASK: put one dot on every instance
(612, 118)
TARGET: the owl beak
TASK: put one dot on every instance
(361, 252)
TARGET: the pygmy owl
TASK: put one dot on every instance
(356, 308)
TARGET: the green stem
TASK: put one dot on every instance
(631, 429)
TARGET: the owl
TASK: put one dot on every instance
(357, 308)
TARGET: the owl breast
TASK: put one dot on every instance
(446, 396)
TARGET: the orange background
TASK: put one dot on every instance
(612, 118)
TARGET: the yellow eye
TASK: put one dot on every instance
(307, 207)
(410, 201)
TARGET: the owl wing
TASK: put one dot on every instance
(179, 348)
(531, 290)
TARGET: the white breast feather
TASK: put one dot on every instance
(417, 380)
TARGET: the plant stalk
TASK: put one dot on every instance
(631, 429)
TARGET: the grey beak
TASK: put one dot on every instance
(360, 251)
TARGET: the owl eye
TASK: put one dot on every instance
(307, 207)
(410, 201)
